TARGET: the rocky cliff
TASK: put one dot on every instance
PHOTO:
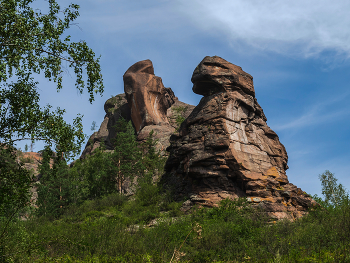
(225, 149)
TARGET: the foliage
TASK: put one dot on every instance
(94, 176)
(102, 173)
(126, 157)
(179, 112)
(14, 188)
(152, 159)
(31, 43)
(35, 43)
(334, 194)
(26, 160)
(102, 225)
(114, 229)
(60, 187)
(55, 190)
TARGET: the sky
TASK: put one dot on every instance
(298, 53)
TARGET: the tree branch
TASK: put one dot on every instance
(42, 50)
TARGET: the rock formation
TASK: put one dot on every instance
(115, 108)
(225, 149)
(145, 93)
(147, 103)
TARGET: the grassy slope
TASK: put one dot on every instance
(113, 229)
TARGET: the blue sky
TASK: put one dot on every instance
(297, 52)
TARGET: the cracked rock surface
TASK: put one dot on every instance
(225, 149)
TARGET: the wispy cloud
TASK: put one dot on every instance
(295, 28)
(312, 118)
(326, 111)
(304, 28)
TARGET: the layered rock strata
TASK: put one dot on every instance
(225, 149)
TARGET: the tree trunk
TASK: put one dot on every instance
(119, 178)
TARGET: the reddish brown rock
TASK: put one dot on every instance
(31, 161)
(147, 104)
(225, 149)
(146, 95)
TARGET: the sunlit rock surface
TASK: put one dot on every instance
(225, 149)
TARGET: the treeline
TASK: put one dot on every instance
(99, 174)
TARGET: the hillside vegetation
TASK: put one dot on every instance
(83, 215)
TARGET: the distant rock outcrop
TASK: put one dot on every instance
(115, 108)
(225, 149)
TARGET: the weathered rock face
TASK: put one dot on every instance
(115, 108)
(225, 149)
(146, 95)
(149, 103)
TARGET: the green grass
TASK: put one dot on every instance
(104, 230)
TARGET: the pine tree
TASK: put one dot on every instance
(126, 157)
(153, 165)
(54, 190)
(96, 171)
(152, 160)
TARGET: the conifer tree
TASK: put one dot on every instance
(14, 188)
(98, 178)
(152, 160)
(126, 157)
(55, 188)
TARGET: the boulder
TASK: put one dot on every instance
(225, 149)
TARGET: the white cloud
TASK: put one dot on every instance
(296, 28)
(312, 118)
(304, 28)
(326, 111)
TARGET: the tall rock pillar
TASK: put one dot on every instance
(225, 149)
